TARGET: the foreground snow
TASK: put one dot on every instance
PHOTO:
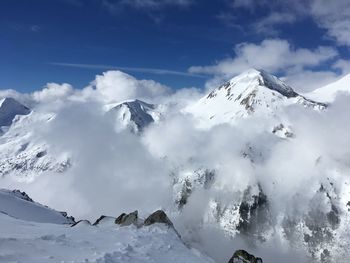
(18, 205)
(23, 241)
(31, 232)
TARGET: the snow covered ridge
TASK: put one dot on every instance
(40, 234)
(19, 205)
(253, 93)
(328, 93)
(46, 238)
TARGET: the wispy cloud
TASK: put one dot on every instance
(25, 28)
(131, 69)
(148, 4)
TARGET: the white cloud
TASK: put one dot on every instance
(306, 80)
(273, 55)
(116, 86)
(267, 25)
(145, 5)
(156, 71)
(25, 99)
(156, 3)
(52, 92)
(334, 16)
(343, 65)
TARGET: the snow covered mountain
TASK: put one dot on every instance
(329, 92)
(9, 109)
(252, 93)
(134, 115)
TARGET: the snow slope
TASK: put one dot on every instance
(330, 91)
(48, 240)
(18, 205)
(252, 93)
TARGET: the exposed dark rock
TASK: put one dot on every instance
(326, 256)
(254, 215)
(41, 154)
(158, 217)
(185, 193)
(98, 220)
(103, 218)
(281, 127)
(248, 101)
(127, 219)
(71, 218)
(81, 222)
(22, 195)
(319, 225)
(201, 178)
(242, 256)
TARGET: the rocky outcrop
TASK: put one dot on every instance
(242, 256)
(22, 195)
(81, 223)
(109, 220)
(254, 214)
(158, 217)
(127, 219)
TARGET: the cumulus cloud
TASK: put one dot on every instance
(116, 86)
(273, 55)
(25, 99)
(111, 87)
(270, 54)
(53, 91)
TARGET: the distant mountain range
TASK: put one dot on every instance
(254, 94)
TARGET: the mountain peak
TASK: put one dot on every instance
(9, 108)
(134, 114)
(254, 92)
(265, 80)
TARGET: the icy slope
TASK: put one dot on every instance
(9, 108)
(19, 205)
(329, 92)
(253, 93)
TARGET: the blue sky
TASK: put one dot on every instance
(188, 42)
